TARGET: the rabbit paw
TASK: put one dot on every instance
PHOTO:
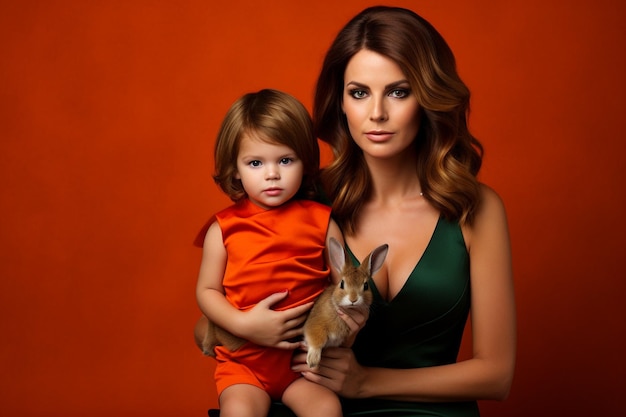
(313, 357)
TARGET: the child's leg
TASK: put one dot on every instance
(244, 400)
(308, 399)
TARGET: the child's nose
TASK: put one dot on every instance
(272, 173)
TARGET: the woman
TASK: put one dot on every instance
(391, 105)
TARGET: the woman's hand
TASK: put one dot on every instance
(355, 318)
(278, 329)
(338, 371)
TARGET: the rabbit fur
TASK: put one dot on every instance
(324, 327)
(215, 336)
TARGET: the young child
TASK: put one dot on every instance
(272, 239)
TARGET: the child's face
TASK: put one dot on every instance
(270, 173)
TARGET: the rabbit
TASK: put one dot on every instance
(324, 327)
(215, 336)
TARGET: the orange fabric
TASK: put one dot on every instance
(270, 251)
(266, 368)
(274, 250)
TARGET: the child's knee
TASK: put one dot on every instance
(308, 399)
(244, 400)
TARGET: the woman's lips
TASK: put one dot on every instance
(378, 136)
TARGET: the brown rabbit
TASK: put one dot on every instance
(215, 335)
(324, 327)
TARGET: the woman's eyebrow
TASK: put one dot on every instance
(388, 86)
(397, 84)
(356, 84)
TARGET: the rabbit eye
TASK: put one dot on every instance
(341, 284)
(366, 286)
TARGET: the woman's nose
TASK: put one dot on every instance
(378, 111)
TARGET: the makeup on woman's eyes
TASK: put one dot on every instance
(357, 93)
(394, 90)
(400, 92)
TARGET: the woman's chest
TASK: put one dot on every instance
(408, 236)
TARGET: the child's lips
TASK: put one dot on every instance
(273, 191)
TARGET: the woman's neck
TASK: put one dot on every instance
(394, 180)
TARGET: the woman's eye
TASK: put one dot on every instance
(358, 93)
(399, 93)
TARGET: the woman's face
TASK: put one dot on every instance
(381, 109)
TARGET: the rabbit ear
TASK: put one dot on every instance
(337, 255)
(376, 258)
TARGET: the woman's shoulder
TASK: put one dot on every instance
(489, 198)
(490, 214)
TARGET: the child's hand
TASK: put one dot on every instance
(278, 329)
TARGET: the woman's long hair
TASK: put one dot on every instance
(448, 156)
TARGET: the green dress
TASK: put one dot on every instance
(421, 326)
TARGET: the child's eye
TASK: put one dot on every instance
(286, 161)
(255, 163)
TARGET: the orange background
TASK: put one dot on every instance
(108, 115)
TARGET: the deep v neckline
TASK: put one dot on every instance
(377, 293)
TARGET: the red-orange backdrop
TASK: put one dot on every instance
(108, 115)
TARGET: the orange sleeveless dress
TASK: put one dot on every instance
(270, 251)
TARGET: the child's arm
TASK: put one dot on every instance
(261, 324)
(209, 290)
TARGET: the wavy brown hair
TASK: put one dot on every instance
(448, 156)
(272, 116)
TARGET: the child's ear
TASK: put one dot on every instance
(237, 176)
